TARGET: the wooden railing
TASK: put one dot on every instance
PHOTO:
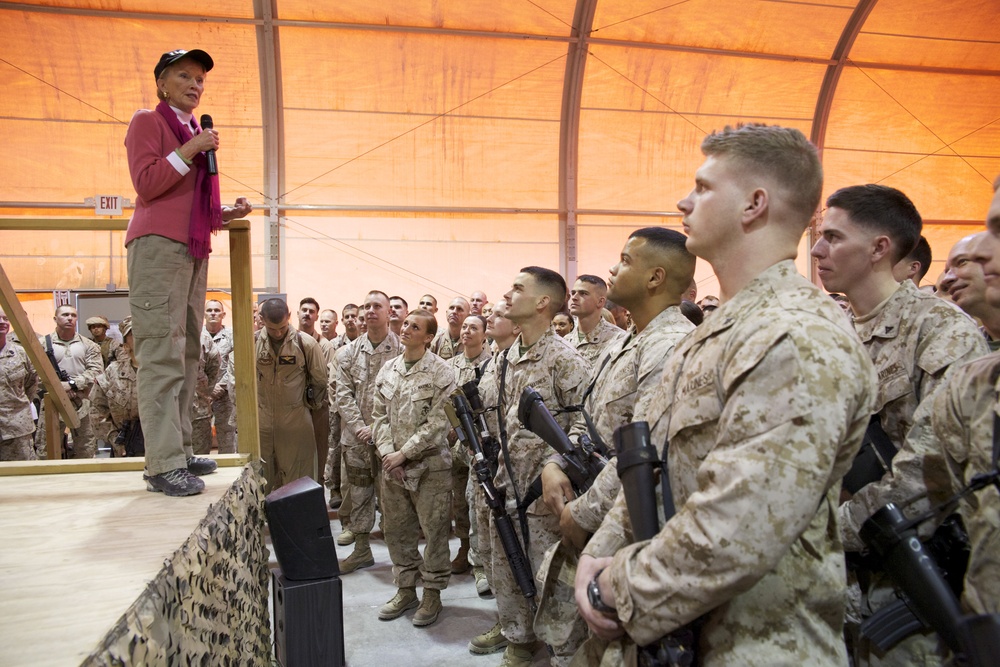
(241, 276)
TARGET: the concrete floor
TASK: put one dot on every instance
(370, 642)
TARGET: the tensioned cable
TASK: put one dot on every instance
(944, 144)
(638, 16)
(426, 122)
(326, 239)
(109, 115)
(646, 91)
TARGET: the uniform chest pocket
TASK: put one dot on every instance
(14, 374)
(387, 390)
(695, 409)
(622, 407)
(894, 386)
(421, 400)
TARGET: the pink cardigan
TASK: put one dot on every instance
(163, 206)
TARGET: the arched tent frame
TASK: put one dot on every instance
(439, 146)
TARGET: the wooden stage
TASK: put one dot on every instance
(96, 570)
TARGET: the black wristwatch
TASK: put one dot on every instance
(72, 384)
(594, 596)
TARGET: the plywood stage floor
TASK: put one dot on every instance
(77, 549)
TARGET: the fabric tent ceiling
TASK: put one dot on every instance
(438, 146)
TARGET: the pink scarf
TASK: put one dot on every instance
(206, 208)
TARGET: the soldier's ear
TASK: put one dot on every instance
(656, 277)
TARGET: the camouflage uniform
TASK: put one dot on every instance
(332, 474)
(114, 399)
(81, 358)
(560, 375)
(464, 370)
(445, 346)
(634, 364)
(224, 409)
(489, 390)
(952, 441)
(591, 346)
(913, 339)
(210, 369)
(287, 440)
(109, 350)
(18, 386)
(408, 416)
(765, 406)
(358, 364)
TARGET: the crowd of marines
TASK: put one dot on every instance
(782, 424)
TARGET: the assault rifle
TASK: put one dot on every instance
(928, 599)
(461, 416)
(637, 463)
(489, 444)
(583, 461)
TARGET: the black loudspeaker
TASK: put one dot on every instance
(308, 622)
(300, 531)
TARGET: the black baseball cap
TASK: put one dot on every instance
(171, 57)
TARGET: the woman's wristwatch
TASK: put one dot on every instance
(594, 596)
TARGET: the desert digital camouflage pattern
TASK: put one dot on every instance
(765, 406)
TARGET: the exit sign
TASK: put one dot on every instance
(107, 205)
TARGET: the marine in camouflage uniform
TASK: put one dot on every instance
(332, 476)
(115, 397)
(753, 547)
(358, 364)
(408, 417)
(81, 358)
(591, 346)
(634, 364)
(224, 407)
(464, 370)
(18, 386)
(210, 370)
(560, 375)
(913, 339)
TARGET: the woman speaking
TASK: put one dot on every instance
(168, 241)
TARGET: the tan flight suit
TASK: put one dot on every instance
(287, 441)
(18, 386)
(408, 416)
(765, 405)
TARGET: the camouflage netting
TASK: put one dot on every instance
(209, 603)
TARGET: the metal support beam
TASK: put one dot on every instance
(828, 90)
(268, 54)
(569, 136)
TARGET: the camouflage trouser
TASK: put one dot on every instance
(516, 617)
(224, 411)
(475, 554)
(363, 474)
(201, 435)
(21, 448)
(484, 517)
(406, 514)
(459, 502)
(84, 444)
(919, 650)
(331, 474)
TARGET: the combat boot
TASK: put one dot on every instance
(461, 562)
(482, 584)
(361, 557)
(430, 607)
(490, 641)
(345, 538)
(518, 655)
(405, 598)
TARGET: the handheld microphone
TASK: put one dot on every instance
(213, 166)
